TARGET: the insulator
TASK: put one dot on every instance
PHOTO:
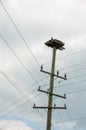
(57, 72)
(39, 87)
(65, 75)
(48, 89)
(34, 105)
(64, 105)
(41, 67)
(65, 95)
(54, 105)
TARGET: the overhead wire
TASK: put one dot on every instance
(16, 55)
(7, 125)
(75, 119)
(78, 91)
(76, 76)
(68, 80)
(24, 115)
(69, 117)
(20, 91)
(61, 119)
(15, 101)
(66, 67)
(18, 108)
(80, 69)
(14, 85)
(14, 109)
(18, 58)
(18, 31)
(24, 39)
(76, 82)
(17, 82)
(71, 120)
(77, 52)
(14, 123)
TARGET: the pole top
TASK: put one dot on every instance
(55, 43)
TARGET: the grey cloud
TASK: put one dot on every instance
(38, 21)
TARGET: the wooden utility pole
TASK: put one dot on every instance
(49, 114)
(55, 44)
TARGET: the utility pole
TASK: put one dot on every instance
(55, 44)
(49, 115)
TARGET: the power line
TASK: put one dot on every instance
(80, 69)
(71, 120)
(20, 98)
(67, 56)
(68, 116)
(75, 119)
(21, 113)
(19, 107)
(61, 119)
(26, 114)
(21, 38)
(72, 54)
(14, 109)
(68, 83)
(73, 83)
(66, 67)
(16, 101)
(73, 78)
(26, 75)
(4, 90)
(17, 88)
(18, 58)
(20, 91)
(14, 85)
(19, 32)
(79, 91)
(77, 76)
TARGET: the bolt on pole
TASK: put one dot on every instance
(49, 114)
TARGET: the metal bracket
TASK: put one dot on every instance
(44, 107)
(53, 75)
(52, 93)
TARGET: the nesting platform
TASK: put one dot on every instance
(55, 43)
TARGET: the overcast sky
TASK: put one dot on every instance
(25, 25)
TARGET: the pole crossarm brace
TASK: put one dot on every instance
(37, 107)
(53, 74)
(52, 93)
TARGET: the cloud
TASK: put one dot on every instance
(47, 19)
(13, 125)
(68, 124)
(38, 21)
